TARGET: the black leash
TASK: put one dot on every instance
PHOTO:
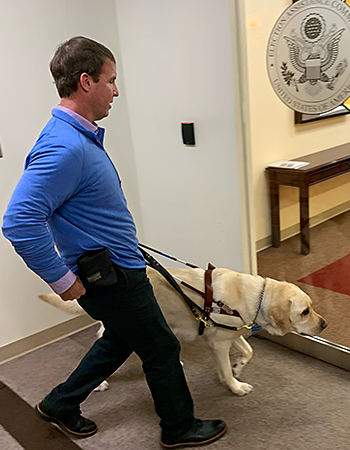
(152, 262)
(169, 256)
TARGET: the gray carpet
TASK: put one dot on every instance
(298, 402)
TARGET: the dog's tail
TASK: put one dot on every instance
(69, 306)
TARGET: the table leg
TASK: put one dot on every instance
(275, 214)
(304, 220)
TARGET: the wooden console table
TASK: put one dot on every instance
(323, 165)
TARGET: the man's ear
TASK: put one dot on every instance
(85, 81)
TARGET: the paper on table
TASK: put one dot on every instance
(289, 164)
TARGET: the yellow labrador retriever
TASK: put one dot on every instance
(284, 308)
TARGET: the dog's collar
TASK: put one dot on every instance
(254, 324)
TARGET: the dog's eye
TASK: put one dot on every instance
(305, 312)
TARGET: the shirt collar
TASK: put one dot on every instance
(80, 119)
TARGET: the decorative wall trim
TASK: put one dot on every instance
(37, 340)
(289, 232)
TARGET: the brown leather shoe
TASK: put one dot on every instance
(202, 432)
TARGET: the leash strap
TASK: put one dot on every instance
(221, 308)
(208, 297)
(168, 256)
(152, 262)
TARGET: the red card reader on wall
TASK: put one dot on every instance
(188, 133)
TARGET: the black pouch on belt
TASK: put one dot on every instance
(96, 269)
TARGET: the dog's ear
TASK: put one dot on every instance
(280, 313)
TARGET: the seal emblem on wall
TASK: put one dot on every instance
(308, 55)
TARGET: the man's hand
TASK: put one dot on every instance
(74, 292)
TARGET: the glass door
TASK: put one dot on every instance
(275, 135)
(324, 274)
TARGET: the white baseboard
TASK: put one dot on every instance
(37, 340)
(293, 230)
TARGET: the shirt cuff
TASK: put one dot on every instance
(64, 283)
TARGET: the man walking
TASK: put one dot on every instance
(70, 196)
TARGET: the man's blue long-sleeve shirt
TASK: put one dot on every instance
(69, 196)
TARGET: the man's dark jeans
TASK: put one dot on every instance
(133, 322)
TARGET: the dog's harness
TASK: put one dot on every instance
(202, 315)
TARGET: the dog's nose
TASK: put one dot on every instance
(324, 324)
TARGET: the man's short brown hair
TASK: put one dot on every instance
(74, 57)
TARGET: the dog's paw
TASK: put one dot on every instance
(241, 388)
(102, 387)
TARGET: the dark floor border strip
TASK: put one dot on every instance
(20, 421)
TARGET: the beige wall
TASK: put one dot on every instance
(275, 137)
(178, 63)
